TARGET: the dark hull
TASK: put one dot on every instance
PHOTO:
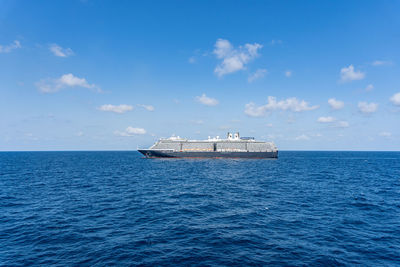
(148, 153)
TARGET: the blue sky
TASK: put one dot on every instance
(115, 75)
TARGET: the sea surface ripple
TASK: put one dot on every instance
(116, 208)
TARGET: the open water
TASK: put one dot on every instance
(116, 208)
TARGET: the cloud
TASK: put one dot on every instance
(117, 109)
(395, 99)
(385, 134)
(8, 48)
(349, 74)
(302, 137)
(369, 87)
(131, 131)
(292, 104)
(257, 75)
(59, 51)
(381, 63)
(326, 119)
(342, 124)
(335, 104)
(66, 80)
(274, 42)
(288, 73)
(147, 107)
(365, 107)
(233, 59)
(205, 100)
(197, 121)
(192, 60)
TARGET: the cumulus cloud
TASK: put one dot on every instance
(131, 131)
(335, 104)
(205, 100)
(233, 59)
(292, 104)
(395, 99)
(326, 119)
(349, 74)
(257, 75)
(59, 51)
(8, 48)
(367, 108)
(369, 87)
(66, 80)
(288, 73)
(116, 109)
(147, 107)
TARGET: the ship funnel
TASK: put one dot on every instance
(229, 135)
(237, 136)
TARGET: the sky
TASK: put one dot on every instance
(119, 75)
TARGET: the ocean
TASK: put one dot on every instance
(117, 208)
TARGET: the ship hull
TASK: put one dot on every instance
(149, 153)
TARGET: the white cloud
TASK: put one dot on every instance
(197, 121)
(117, 109)
(385, 134)
(80, 133)
(66, 80)
(131, 131)
(288, 73)
(8, 48)
(302, 137)
(349, 74)
(335, 104)
(59, 51)
(395, 99)
(147, 107)
(381, 63)
(205, 100)
(274, 42)
(257, 75)
(342, 124)
(233, 59)
(369, 87)
(326, 119)
(192, 60)
(365, 107)
(292, 104)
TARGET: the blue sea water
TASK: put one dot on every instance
(116, 208)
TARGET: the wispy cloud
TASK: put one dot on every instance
(381, 63)
(348, 74)
(342, 124)
(233, 59)
(66, 80)
(257, 75)
(369, 87)
(367, 108)
(326, 119)
(288, 73)
(147, 107)
(131, 131)
(116, 109)
(335, 104)
(8, 48)
(302, 137)
(292, 104)
(395, 99)
(59, 51)
(205, 100)
(385, 134)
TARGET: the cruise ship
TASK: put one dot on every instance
(233, 146)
